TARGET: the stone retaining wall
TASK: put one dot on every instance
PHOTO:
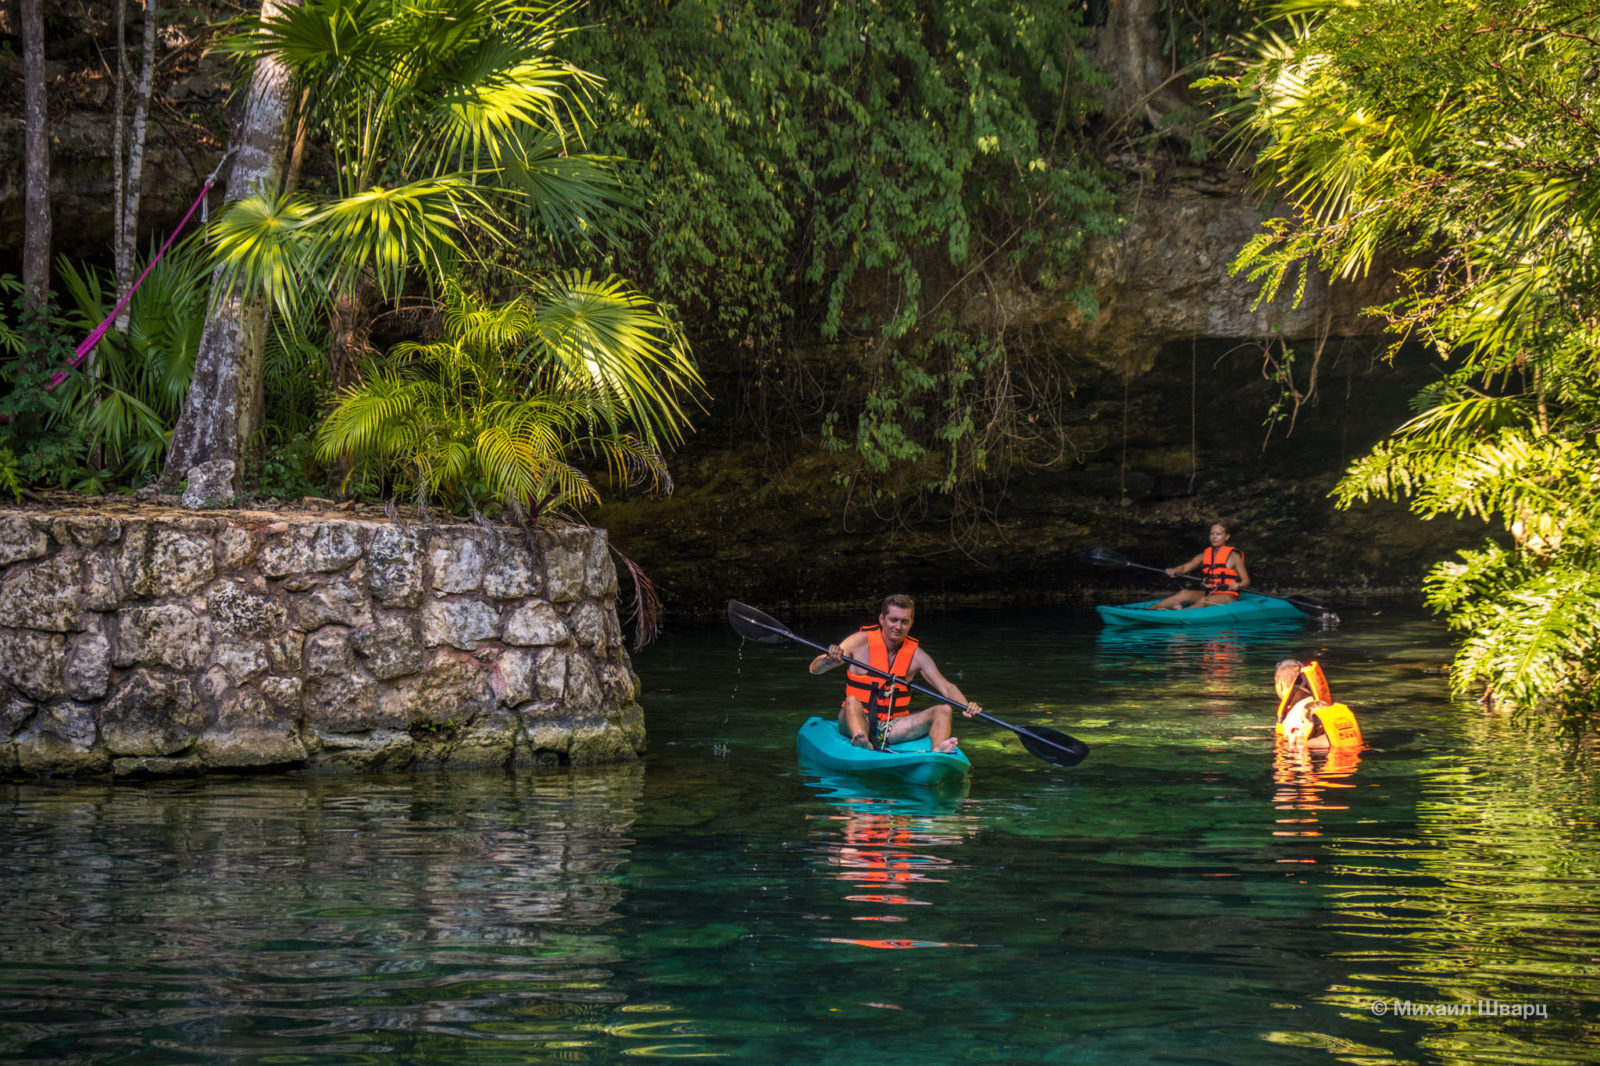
(150, 643)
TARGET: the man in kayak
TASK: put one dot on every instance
(887, 647)
(1307, 715)
(1222, 567)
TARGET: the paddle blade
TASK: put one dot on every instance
(1320, 612)
(1102, 557)
(1053, 747)
(751, 624)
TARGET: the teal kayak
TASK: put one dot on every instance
(821, 744)
(1246, 608)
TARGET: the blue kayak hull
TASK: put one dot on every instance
(1245, 609)
(821, 744)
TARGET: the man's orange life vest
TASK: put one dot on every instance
(868, 689)
(1311, 684)
(1217, 569)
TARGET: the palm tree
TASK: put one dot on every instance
(441, 119)
(513, 395)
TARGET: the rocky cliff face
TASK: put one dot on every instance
(1184, 402)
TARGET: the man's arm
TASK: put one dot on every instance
(851, 646)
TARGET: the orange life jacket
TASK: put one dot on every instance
(1316, 683)
(869, 689)
(1335, 721)
(1339, 723)
(1217, 569)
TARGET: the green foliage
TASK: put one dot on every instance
(446, 122)
(859, 171)
(43, 444)
(1456, 140)
(129, 392)
(506, 403)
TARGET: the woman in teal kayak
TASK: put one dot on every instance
(884, 706)
(1222, 567)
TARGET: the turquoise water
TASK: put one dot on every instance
(1187, 894)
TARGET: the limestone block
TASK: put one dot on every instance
(344, 703)
(599, 572)
(157, 766)
(458, 623)
(513, 573)
(599, 743)
(550, 677)
(376, 749)
(61, 740)
(343, 602)
(394, 567)
(236, 547)
(151, 713)
(283, 693)
(85, 531)
(336, 545)
(588, 624)
(237, 611)
(164, 634)
(515, 676)
(286, 651)
(156, 561)
(320, 548)
(100, 581)
(244, 747)
(44, 595)
(536, 624)
(14, 712)
(619, 685)
(451, 690)
(86, 672)
(328, 652)
(564, 567)
(242, 661)
(582, 695)
(31, 662)
(390, 648)
(20, 538)
(458, 564)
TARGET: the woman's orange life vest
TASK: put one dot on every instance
(1335, 721)
(869, 689)
(1311, 684)
(1217, 568)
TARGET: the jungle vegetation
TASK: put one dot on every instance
(1454, 145)
(503, 227)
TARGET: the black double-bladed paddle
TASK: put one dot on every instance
(1048, 744)
(1107, 557)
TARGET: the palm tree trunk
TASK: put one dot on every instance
(131, 189)
(223, 408)
(36, 238)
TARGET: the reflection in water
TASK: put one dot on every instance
(1306, 782)
(230, 917)
(888, 847)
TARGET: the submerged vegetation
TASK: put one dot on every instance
(1369, 117)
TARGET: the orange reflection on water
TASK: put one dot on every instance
(886, 860)
(1302, 777)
